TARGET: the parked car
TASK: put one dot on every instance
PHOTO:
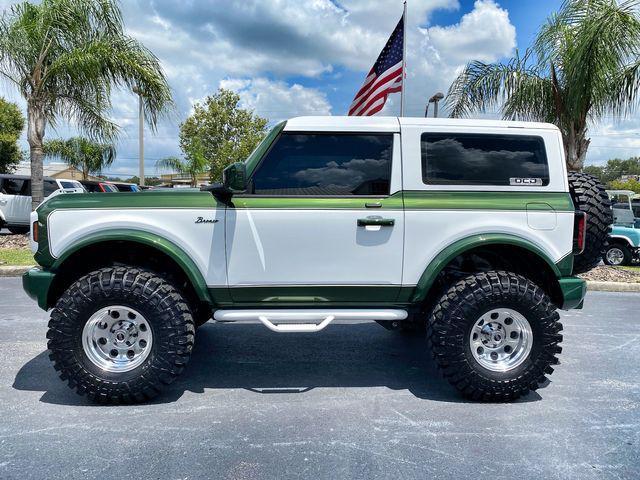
(126, 187)
(624, 239)
(471, 231)
(99, 187)
(15, 198)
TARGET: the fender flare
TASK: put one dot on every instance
(177, 254)
(626, 239)
(442, 259)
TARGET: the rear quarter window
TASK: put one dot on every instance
(483, 159)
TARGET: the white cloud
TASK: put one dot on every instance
(277, 100)
(485, 34)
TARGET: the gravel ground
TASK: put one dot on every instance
(606, 273)
(8, 240)
(353, 401)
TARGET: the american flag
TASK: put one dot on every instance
(384, 78)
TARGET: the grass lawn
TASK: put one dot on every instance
(16, 256)
(631, 269)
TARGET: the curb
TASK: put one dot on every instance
(594, 286)
(13, 271)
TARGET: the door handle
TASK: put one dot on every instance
(379, 221)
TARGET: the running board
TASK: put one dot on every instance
(306, 320)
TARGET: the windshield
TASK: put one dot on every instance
(68, 184)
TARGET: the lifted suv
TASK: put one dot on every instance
(468, 231)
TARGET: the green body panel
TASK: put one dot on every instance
(36, 284)
(455, 200)
(565, 265)
(162, 244)
(314, 296)
(573, 290)
(452, 251)
(393, 202)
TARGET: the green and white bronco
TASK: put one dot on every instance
(468, 231)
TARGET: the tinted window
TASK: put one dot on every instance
(326, 164)
(475, 159)
(49, 187)
(13, 186)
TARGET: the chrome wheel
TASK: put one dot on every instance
(117, 339)
(501, 340)
(615, 256)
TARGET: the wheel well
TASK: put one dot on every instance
(511, 258)
(120, 253)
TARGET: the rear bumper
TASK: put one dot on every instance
(573, 291)
(37, 282)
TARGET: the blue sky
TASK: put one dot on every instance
(304, 57)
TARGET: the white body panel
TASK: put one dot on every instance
(312, 247)
(431, 231)
(15, 209)
(203, 242)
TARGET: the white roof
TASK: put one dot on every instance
(392, 124)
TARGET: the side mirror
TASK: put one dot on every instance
(234, 177)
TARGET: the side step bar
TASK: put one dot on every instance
(306, 320)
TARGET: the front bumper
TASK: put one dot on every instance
(37, 283)
(573, 291)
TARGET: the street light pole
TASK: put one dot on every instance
(434, 99)
(141, 138)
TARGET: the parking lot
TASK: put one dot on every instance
(354, 401)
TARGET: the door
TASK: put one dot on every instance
(321, 222)
(17, 201)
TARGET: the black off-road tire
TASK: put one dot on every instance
(18, 230)
(454, 316)
(164, 309)
(627, 256)
(589, 196)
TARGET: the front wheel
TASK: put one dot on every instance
(494, 336)
(617, 255)
(120, 335)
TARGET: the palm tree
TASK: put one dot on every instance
(65, 57)
(584, 65)
(82, 153)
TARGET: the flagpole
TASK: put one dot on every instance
(404, 57)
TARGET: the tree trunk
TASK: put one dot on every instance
(575, 147)
(36, 122)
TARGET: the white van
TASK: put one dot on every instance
(15, 198)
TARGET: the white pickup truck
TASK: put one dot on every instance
(468, 231)
(15, 198)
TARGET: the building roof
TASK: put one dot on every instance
(392, 124)
(55, 170)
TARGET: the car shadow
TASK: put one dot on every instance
(251, 357)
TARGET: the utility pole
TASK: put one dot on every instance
(434, 99)
(140, 136)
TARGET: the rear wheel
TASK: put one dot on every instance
(495, 336)
(589, 196)
(617, 254)
(120, 335)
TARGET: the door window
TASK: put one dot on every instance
(321, 164)
(13, 186)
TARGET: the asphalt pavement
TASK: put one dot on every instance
(353, 401)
